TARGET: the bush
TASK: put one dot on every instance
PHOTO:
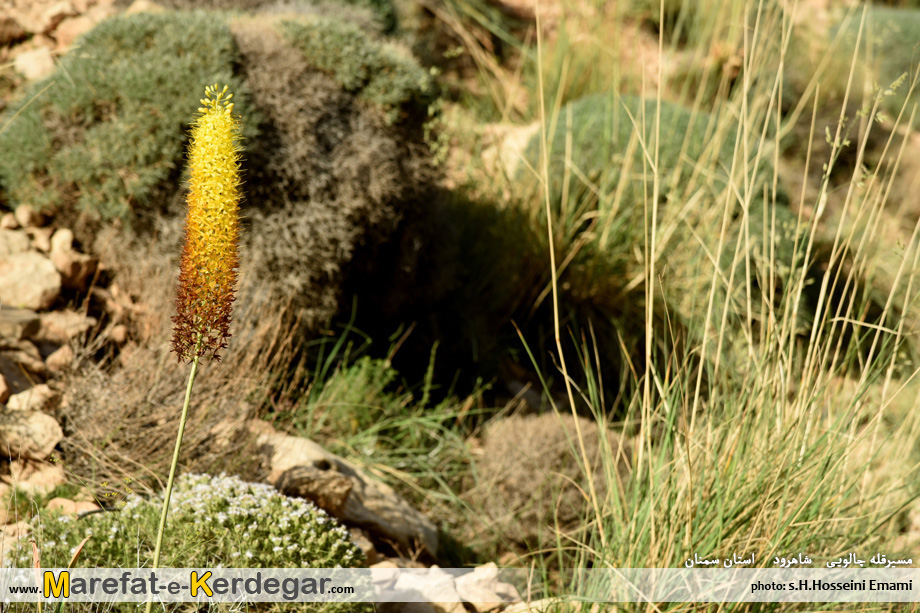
(889, 37)
(213, 521)
(600, 183)
(108, 136)
(332, 174)
(379, 73)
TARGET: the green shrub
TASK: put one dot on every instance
(379, 73)
(214, 521)
(109, 133)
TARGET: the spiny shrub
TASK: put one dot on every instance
(110, 132)
(333, 173)
(215, 521)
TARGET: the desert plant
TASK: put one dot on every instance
(110, 137)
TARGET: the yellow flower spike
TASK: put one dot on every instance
(207, 278)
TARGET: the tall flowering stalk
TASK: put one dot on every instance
(207, 278)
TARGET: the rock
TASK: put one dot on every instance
(13, 242)
(8, 222)
(71, 29)
(61, 326)
(55, 14)
(4, 390)
(448, 607)
(71, 507)
(38, 398)
(324, 487)
(10, 31)
(144, 6)
(483, 589)
(28, 280)
(41, 238)
(64, 505)
(37, 478)
(21, 365)
(29, 217)
(361, 540)
(75, 267)
(85, 506)
(370, 504)
(118, 334)
(62, 240)
(61, 360)
(28, 434)
(18, 324)
(398, 563)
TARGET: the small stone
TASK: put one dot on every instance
(29, 217)
(18, 324)
(67, 506)
(35, 477)
(41, 238)
(84, 507)
(55, 14)
(28, 434)
(62, 240)
(60, 360)
(61, 326)
(119, 334)
(34, 64)
(13, 242)
(144, 6)
(8, 222)
(75, 268)
(71, 29)
(64, 505)
(28, 280)
(38, 398)
(363, 542)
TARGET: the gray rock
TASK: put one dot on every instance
(28, 434)
(18, 324)
(28, 280)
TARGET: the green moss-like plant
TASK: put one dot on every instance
(379, 73)
(108, 134)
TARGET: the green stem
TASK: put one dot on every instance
(172, 473)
